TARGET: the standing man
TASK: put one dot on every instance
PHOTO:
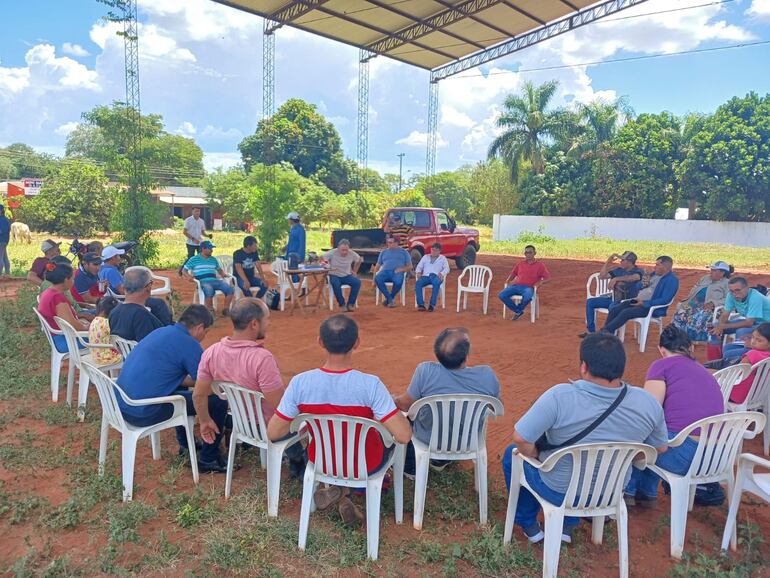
(525, 277)
(248, 273)
(50, 250)
(295, 248)
(5, 238)
(625, 282)
(392, 265)
(431, 270)
(343, 270)
(194, 231)
(208, 272)
(400, 230)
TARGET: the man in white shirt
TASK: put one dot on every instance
(431, 270)
(194, 231)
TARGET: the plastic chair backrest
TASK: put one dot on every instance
(336, 438)
(125, 346)
(719, 441)
(457, 420)
(478, 277)
(246, 409)
(729, 377)
(278, 267)
(48, 331)
(71, 336)
(760, 387)
(607, 464)
(226, 263)
(596, 287)
(106, 388)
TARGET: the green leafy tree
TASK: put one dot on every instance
(564, 188)
(490, 185)
(313, 198)
(410, 198)
(727, 166)
(19, 161)
(595, 123)
(450, 191)
(229, 191)
(272, 194)
(74, 200)
(528, 124)
(344, 175)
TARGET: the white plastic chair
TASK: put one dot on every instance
(249, 426)
(758, 398)
(112, 417)
(125, 346)
(745, 481)
(389, 285)
(75, 342)
(164, 290)
(729, 377)
(338, 435)
(595, 496)
(642, 326)
(279, 267)
(534, 306)
(719, 443)
(458, 432)
(56, 360)
(474, 279)
(597, 287)
(331, 299)
(226, 263)
(441, 292)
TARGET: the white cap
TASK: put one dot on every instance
(294, 216)
(109, 252)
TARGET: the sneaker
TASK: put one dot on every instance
(439, 465)
(566, 534)
(517, 316)
(583, 335)
(645, 501)
(350, 308)
(421, 308)
(629, 499)
(431, 309)
(534, 533)
(350, 513)
(386, 303)
(216, 467)
(392, 304)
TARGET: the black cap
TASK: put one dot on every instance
(92, 258)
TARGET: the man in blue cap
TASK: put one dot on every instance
(208, 272)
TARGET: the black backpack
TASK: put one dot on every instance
(273, 299)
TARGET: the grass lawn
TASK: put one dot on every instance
(173, 252)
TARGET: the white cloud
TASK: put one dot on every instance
(13, 81)
(759, 9)
(225, 160)
(58, 72)
(186, 129)
(453, 117)
(202, 20)
(420, 139)
(217, 132)
(154, 42)
(74, 50)
(67, 128)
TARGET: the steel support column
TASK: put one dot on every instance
(430, 158)
(268, 70)
(362, 144)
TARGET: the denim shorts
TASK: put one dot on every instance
(211, 286)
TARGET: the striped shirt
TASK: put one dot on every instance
(202, 267)
(401, 233)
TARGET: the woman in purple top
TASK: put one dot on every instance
(687, 392)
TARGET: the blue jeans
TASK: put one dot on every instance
(254, 282)
(524, 291)
(676, 460)
(211, 286)
(389, 276)
(433, 280)
(5, 263)
(338, 282)
(163, 411)
(528, 507)
(737, 348)
(592, 304)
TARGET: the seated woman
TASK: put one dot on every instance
(760, 350)
(694, 313)
(687, 392)
(54, 303)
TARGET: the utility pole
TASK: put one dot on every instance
(400, 168)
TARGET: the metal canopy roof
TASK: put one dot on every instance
(423, 33)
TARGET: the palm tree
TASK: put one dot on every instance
(528, 124)
(599, 122)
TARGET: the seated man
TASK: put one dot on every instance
(109, 272)
(392, 265)
(248, 273)
(343, 270)
(243, 359)
(625, 282)
(85, 287)
(207, 271)
(166, 363)
(50, 250)
(131, 320)
(567, 411)
(525, 277)
(661, 290)
(753, 308)
(450, 375)
(431, 270)
(338, 388)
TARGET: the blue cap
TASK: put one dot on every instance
(207, 245)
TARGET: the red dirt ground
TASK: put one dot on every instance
(528, 359)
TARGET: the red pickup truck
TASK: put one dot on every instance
(428, 226)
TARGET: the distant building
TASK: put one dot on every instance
(182, 200)
(23, 188)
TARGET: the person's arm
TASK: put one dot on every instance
(523, 447)
(606, 268)
(420, 266)
(403, 401)
(545, 276)
(657, 387)
(64, 310)
(33, 277)
(356, 265)
(399, 426)
(242, 274)
(444, 268)
(187, 233)
(512, 276)
(666, 294)
(407, 266)
(200, 396)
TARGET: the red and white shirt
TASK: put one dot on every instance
(348, 392)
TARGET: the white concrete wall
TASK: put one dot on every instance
(508, 227)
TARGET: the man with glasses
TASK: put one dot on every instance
(525, 277)
(753, 308)
(392, 266)
(625, 282)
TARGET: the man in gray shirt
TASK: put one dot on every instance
(451, 375)
(343, 268)
(568, 409)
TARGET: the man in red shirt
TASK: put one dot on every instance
(526, 276)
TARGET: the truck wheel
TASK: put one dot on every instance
(364, 268)
(467, 258)
(416, 255)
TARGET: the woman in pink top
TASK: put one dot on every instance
(688, 393)
(760, 349)
(54, 303)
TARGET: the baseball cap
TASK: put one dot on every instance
(48, 244)
(110, 251)
(720, 266)
(207, 245)
(294, 216)
(629, 256)
(92, 257)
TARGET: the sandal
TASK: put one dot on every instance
(326, 497)
(350, 513)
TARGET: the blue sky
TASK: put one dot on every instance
(201, 69)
